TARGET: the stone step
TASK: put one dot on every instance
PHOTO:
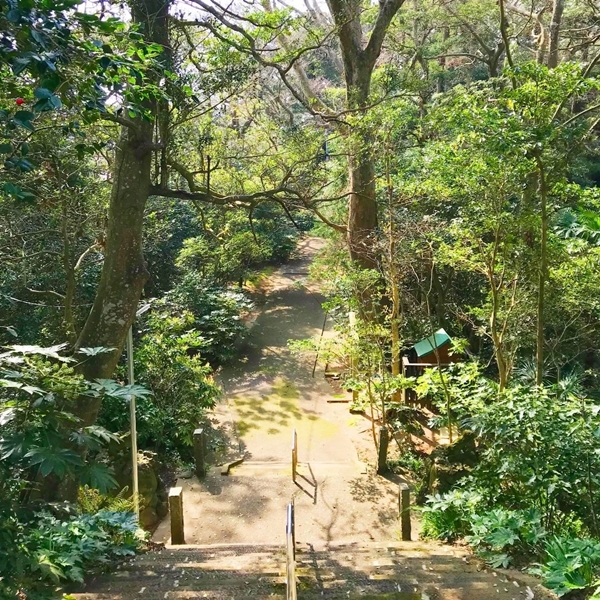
(231, 572)
(306, 470)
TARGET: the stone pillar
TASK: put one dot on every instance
(176, 509)
(200, 452)
(404, 501)
(384, 440)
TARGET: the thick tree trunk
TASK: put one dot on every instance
(557, 12)
(359, 60)
(124, 271)
(362, 211)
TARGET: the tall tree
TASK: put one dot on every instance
(124, 271)
(360, 45)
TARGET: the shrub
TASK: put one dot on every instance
(536, 447)
(217, 315)
(41, 437)
(448, 517)
(43, 442)
(41, 553)
(571, 564)
(169, 362)
(504, 536)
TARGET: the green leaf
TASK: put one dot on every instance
(94, 351)
(51, 351)
(42, 93)
(39, 38)
(23, 119)
(99, 477)
(13, 15)
(53, 460)
(19, 64)
(6, 416)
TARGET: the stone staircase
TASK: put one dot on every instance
(401, 571)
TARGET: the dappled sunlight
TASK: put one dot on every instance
(279, 413)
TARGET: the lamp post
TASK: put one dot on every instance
(132, 417)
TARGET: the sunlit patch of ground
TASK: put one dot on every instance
(278, 412)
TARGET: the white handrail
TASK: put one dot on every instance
(290, 542)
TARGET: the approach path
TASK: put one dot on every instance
(346, 516)
(268, 393)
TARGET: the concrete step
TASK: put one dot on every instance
(233, 571)
(310, 471)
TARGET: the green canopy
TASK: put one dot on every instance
(428, 345)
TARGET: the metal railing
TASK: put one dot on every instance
(290, 544)
(294, 455)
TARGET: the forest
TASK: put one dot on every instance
(158, 157)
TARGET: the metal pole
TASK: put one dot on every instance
(133, 425)
(294, 455)
(290, 535)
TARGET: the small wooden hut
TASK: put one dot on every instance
(433, 351)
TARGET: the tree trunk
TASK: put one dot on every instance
(359, 60)
(124, 270)
(557, 12)
(362, 211)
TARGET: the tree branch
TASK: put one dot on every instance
(387, 12)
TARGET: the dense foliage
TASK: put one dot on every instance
(449, 150)
(44, 446)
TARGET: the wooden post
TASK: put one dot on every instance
(176, 510)
(404, 501)
(384, 440)
(200, 452)
(294, 455)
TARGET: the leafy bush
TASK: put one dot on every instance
(513, 537)
(571, 564)
(41, 553)
(534, 493)
(498, 535)
(91, 501)
(42, 439)
(448, 517)
(217, 314)
(536, 447)
(169, 362)
(504, 536)
(44, 449)
(241, 245)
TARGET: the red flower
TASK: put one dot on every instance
(20, 101)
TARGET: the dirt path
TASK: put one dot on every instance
(268, 393)
(346, 518)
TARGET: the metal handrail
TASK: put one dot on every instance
(294, 455)
(290, 542)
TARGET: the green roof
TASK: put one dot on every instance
(428, 345)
